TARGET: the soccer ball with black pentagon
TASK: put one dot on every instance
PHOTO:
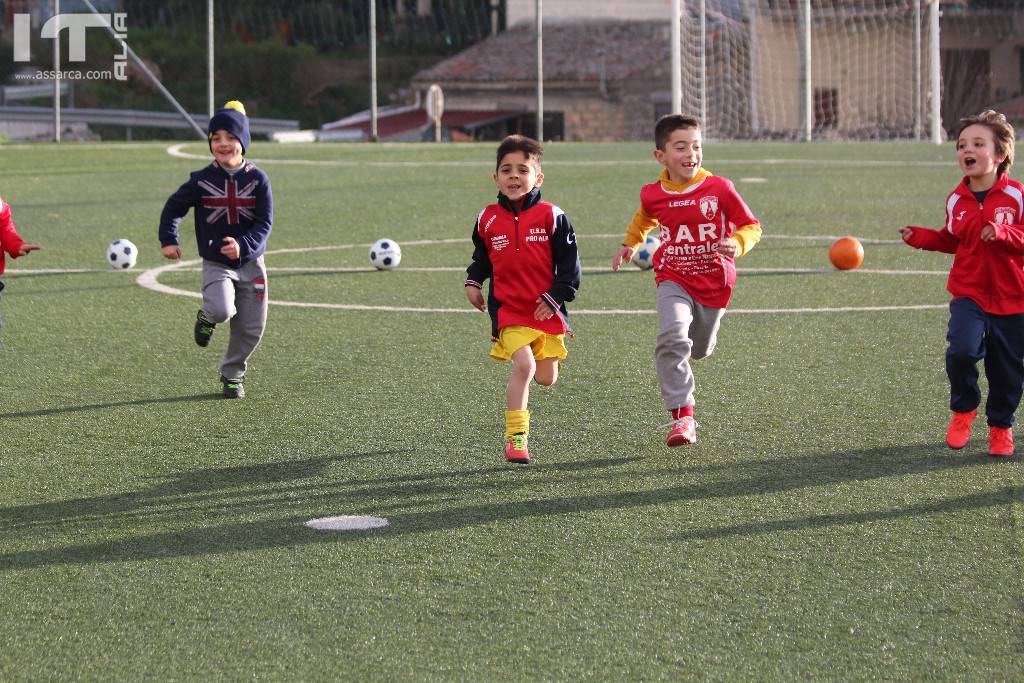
(122, 254)
(643, 257)
(385, 254)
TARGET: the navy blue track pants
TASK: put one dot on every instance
(974, 335)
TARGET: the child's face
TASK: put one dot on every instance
(682, 155)
(976, 154)
(226, 148)
(517, 175)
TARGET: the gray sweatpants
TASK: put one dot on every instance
(238, 295)
(687, 330)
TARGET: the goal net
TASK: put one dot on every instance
(746, 65)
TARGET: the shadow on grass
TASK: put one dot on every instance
(1003, 496)
(248, 491)
(114, 404)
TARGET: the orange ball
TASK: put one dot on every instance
(846, 253)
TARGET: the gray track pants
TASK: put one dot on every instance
(686, 330)
(238, 295)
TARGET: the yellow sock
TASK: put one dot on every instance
(517, 422)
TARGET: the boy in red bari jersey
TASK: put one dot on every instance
(703, 226)
(984, 229)
(528, 248)
(10, 241)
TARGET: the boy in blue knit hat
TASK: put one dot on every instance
(233, 211)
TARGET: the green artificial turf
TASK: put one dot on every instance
(819, 530)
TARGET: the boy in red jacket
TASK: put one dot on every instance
(10, 241)
(704, 226)
(984, 228)
(528, 248)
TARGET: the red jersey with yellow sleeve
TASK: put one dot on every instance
(693, 219)
(10, 240)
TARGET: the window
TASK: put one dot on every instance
(826, 108)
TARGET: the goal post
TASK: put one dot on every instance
(813, 69)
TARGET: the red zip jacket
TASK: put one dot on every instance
(10, 240)
(989, 273)
(529, 254)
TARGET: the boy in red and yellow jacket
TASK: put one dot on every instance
(528, 248)
(704, 226)
(984, 229)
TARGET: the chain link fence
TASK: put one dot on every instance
(290, 59)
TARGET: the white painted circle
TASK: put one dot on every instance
(347, 523)
(149, 280)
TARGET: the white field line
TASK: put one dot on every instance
(177, 150)
(607, 235)
(59, 271)
(150, 280)
(460, 269)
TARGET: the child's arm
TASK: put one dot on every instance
(479, 270)
(1009, 236)
(175, 208)
(743, 240)
(565, 258)
(636, 233)
(254, 240)
(928, 239)
(10, 240)
(748, 234)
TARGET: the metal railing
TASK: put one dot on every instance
(131, 118)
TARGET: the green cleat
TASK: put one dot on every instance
(204, 329)
(233, 388)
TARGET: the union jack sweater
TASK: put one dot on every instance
(529, 253)
(226, 205)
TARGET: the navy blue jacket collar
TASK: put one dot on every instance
(528, 201)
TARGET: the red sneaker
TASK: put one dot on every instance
(683, 432)
(515, 449)
(959, 430)
(1000, 441)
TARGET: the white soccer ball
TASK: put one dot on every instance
(385, 254)
(643, 257)
(122, 254)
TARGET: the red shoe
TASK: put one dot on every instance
(959, 430)
(515, 449)
(683, 432)
(1000, 441)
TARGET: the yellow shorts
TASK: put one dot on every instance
(515, 337)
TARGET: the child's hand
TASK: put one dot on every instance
(476, 298)
(989, 232)
(625, 255)
(231, 248)
(543, 311)
(26, 248)
(906, 233)
(728, 246)
(171, 251)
